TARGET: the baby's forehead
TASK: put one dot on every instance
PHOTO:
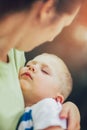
(53, 61)
(48, 58)
(45, 59)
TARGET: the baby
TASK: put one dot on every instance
(45, 82)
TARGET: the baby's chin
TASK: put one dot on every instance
(24, 84)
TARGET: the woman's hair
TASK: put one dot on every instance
(11, 6)
(67, 6)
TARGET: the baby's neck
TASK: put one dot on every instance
(27, 104)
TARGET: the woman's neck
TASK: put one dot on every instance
(4, 48)
(10, 33)
(4, 58)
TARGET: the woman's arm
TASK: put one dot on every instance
(71, 113)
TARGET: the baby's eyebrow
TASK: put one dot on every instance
(37, 62)
(34, 62)
(45, 65)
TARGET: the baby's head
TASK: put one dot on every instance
(45, 76)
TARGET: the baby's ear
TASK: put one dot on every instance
(59, 98)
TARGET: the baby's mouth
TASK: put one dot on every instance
(27, 74)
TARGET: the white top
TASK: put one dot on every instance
(44, 114)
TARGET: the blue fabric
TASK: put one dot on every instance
(27, 116)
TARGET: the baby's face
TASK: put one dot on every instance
(39, 78)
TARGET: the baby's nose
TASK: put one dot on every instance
(32, 68)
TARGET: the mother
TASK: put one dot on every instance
(25, 24)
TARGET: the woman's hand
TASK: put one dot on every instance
(71, 113)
